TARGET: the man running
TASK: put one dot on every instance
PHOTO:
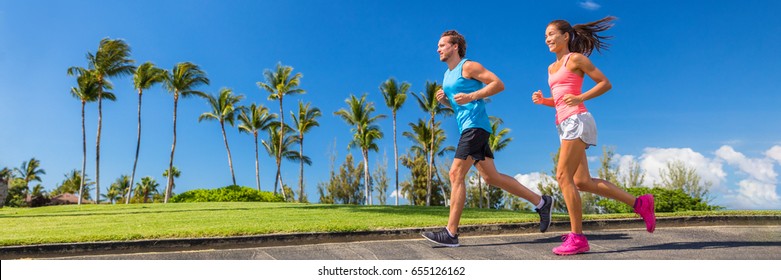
(464, 87)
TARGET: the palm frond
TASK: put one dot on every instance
(183, 79)
(279, 82)
(147, 75)
(112, 59)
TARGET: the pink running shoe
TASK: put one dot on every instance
(573, 244)
(644, 206)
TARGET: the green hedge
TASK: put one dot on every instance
(227, 194)
(665, 200)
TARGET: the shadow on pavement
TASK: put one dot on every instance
(553, 239)
(694, 246)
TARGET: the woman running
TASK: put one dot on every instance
(577, 129)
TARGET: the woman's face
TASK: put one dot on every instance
(555, 39)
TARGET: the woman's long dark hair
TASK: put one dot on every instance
(583, 37)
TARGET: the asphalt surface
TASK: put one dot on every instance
(715, 238)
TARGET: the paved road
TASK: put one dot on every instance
(687, 243)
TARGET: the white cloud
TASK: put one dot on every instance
(471, 180)
(757, 190)
(759, 169)
(531, 180)
(654, 160)
(394, 194)
(756, 195)
(624, 162)
(589, 5)
(735, 142)
(774, 153)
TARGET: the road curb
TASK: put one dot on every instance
(271, 240)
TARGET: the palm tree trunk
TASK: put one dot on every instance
(430, 159)
(480, 190)
(84, 151)
(441, 185)
(169, 185)
(301, 175)
(281, 140)
(97, 144)
(257, 167)
(396, 158)
(278, 176)
(138, 148)
(366, 175)
(282, 185)
(487, 196)
(230, 160)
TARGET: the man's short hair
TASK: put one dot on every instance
(457, 38)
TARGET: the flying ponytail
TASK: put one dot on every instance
(584, 38)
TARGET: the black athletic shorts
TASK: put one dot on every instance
(474, 143)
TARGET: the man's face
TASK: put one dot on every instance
(446, 49)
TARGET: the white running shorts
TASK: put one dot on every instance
(580, 126)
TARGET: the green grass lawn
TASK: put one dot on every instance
(60, 224)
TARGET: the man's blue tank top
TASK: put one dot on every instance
(472, 114)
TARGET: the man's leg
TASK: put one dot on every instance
(543, 204)
(448, 236)
(492, 177)
(458, 171)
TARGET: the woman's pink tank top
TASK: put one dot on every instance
(563, 82)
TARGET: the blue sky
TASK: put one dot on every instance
(692, 81)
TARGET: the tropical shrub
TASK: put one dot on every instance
(665, 200)
(231, 193)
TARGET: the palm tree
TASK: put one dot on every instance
(182, 80)
(279, 83)
(6, 176)
(147, 188)
(117, 189)
(223, 109)
(112, 59)
(73, 184)
(497, 142)
(282, 151)
(255, 118)
(421, 138)
(87, 91)
(38, 190)
(428, 102)
(305, 120)
(395, 96)
(30, 171)
(364, 133)
(146, 76)
(175, 174)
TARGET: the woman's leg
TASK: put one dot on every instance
(570, 155)
(584, 182)
(643, 205)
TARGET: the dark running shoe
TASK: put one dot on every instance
(545, 213)
(442, 238)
